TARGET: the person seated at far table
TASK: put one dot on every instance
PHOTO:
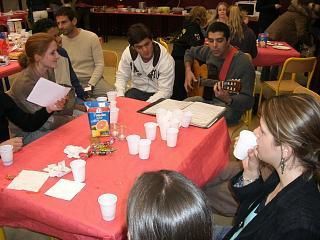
(84, 50)
(27, 121)
(190, 36)
(224, 62)
(241, 36)
(147, 64)
(64, 73)
(287, 204)
(38, 60)
(167, 205)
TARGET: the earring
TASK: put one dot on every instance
(282, 165)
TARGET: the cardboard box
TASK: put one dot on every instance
(99, 118)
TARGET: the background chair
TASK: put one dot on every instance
(2, 234)
(301, 89)
(163, 43)
(291, 67)
(111, 60)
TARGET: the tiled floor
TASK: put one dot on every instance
(117, 44)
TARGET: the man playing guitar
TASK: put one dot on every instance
(223, 62)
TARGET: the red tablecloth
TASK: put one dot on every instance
(270, 56)
(200, 154)
(10, 69)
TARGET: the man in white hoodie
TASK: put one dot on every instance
(147, 64)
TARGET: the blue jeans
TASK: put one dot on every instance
(220, 231)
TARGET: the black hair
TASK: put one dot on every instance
(43, 25)
(137, 33)
(66, 11)
(220, 27)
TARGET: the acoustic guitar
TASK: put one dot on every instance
(200, 72)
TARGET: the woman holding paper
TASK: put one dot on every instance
(26, 121)
(287, 204)
(39, 60)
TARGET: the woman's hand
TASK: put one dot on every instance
(251, 165)
(58, 105)
(15, 142)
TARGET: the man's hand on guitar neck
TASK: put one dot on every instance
(222, 94)
(189, 77)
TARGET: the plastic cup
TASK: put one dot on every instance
(186, 119)
(112, 95)
(151, 130)
(78, 168)
(114, 113)
(113, 104)
(108, 205)
(160, 113)
(164, 125)
(174, 123)
(246, 141)
(144, 148)
(172, 137)
(6, 153)
(133, 144)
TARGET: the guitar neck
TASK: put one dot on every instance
(231, 85)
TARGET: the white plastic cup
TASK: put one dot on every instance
(177, 114)
(160, 113)
(174, 123)
(102, 101)
(108, 205)
(246, 141)
(112, 95)
(78, 168)
(144, 148)
(186, 119)
(6, 153)
(164, 125)
(151, 130)
(113, 104)
(172, 137)
(133, 144)
(114, 113)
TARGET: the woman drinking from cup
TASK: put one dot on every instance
(287, 204)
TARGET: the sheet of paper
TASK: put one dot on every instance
(46, 93)
(65, 189)
(167, 104)
(29, 181)
(204, 114)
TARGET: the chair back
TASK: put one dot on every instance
(110, 59)
(299, 65)
(302, 89)
(163, 43)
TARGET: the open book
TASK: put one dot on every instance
(204, 115)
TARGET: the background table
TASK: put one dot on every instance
(270, 56)
(200, 154)
(6, 71)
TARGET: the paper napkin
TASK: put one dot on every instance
(65, 189)
(29, 181)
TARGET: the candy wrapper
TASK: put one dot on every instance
(99, 118)
(75, 151)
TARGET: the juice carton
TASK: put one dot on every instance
(99, 118)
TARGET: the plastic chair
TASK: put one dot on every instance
(2, 234)
(291, 66)
(111, 60)
(301, 89)
(163, 43)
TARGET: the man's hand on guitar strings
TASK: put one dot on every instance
(188, 80)
(220, 93)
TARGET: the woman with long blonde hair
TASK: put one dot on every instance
(241, 35)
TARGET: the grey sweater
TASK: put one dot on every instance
(240, 68)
